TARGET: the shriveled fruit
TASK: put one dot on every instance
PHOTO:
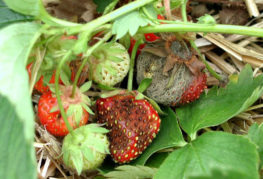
(109, 64)
(85, 148)
(76, 109)
(133, 124)
(168, 90)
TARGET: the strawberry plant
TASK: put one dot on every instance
(71, 107)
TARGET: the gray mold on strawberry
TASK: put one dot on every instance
(133, 125)
(163, 89)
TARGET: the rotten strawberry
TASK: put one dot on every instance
(133, 125)
(196, 87)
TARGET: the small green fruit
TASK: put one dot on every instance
(85, 148)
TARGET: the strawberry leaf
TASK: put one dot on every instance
(219, 105)
(122, 25)
(7, 16)
(131, 172)
(27, 7)
(255, 134)
(212, 150)
(17, 116)
(169, 136)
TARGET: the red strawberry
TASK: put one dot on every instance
(39, 85)
(74, 107)
(151, 37)
(133, 41)
(196, 87)
(133, 124)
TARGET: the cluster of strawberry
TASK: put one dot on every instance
(131, 123)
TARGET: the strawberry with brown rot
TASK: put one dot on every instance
(76, 108)
(175, 70)
(133, 124)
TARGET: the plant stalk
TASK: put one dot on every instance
(60, 105)
(206, 28)
(109, 17)
(133, 56)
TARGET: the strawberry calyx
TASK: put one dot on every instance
(86, 148)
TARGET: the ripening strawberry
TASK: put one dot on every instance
(133, 124)
(76, 108)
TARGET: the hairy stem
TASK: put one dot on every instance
(183, 10)
(109, 17)
(57, 91)
(193, 27)
(133, 56)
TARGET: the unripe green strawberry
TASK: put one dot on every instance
(85, 148)
(109, 64)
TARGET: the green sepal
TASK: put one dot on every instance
(87, 108)
(155, 106)
(111, 93)
(86, 86)
(109, 68)
(105, 87)
(146, 82)
(54, 109)
(88, 153)
(77, 159)
(66, 155)
(97, 129)
(76, 112)
(115, 59)
(99, 71)
(64, 78)
(86, 100)
(139, 96)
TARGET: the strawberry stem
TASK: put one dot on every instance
(209, 68)
(183, 10)
(86, 55)
(57, 91)
(133, 56)
(110, 16)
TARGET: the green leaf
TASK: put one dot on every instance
(206, 19)
(255, 134)
(104, 87)
(219, 105)
(17, 117)
(131, 172)
(27, 7)
(16, 151)
(212, 150)
(123, 25)
(7, 16)
(144, 84)
(86, 86)
(222, 174)
(169, 136)
(102, 4)
(157, 159)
